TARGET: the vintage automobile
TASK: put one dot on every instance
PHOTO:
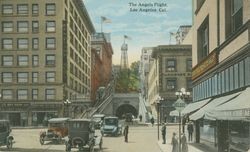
(98, 120)
(82, 135)
(111, 126)
(57, 130)
(5, 138)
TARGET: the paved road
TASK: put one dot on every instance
(141, 139)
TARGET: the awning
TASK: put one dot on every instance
(236, 109)
(211, 105)
(194, 106)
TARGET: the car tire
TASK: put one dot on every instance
(9, 143)
(41, 140)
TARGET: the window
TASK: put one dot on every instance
(22, 26)
(35, 26)
(22, 43)
(7, 26)
(50, 94)
(35, 9)
(7, 60)
(7, 77)
(34, 77)
(203, 43)
(189, 84)
(7, 9)
(50, 59)
(22, 9)
(171, 65)
(50, 77)
(247, 71)
(22, 60)
(22, 77)
(234, 15)
(242, 74)
(7, 94)
(35, 43)
(7, 44)
(50, 26)
(22, 94)
(50, 43)
(50, 9)
(189, 64)
(34, 94)
(35, 60)
(171, 84)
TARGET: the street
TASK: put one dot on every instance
(27, 140)
(143, 138)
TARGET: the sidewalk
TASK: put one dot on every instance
(192, 147)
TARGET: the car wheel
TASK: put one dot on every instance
(41, 140)
(9, 143)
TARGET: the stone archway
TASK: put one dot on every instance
(126, 108)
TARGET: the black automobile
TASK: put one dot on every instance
(5, 138)
(82, 135)
(98, 120)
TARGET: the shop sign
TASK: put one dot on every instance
(14, 106)
(205, 65)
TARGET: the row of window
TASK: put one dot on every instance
(234, 20)
(23, 26)
(23, 77)
(171, 65)
(234, 77)
(23, 60)
(171, 84)
(23, 9)
(23, 43)
(23, 94)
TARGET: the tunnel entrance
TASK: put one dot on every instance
(126, 108)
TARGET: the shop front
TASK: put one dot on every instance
(16, 113)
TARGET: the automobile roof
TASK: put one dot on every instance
(79, 120)
(110, 117)
(55, 120)
(98, 115)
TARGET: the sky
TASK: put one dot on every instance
(146, 29)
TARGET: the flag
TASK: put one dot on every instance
(127, 37)
(105, 19)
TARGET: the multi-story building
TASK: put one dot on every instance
(169, 72)
(45, 56)
(221, 73)
(101, 63)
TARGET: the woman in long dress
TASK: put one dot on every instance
(184, 146)
(174, 143)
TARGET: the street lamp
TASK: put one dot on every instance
(67, 103)
(158, 103)
(179, 106)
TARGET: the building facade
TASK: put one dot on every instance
(169, 72)
(101, 63)
(45, 59)
(221, 72)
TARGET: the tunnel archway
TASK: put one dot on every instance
(126, 108)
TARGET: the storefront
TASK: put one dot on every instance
(16, 113)
(224, 122)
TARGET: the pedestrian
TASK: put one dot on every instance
(174, 143)
(184, 146)
(190, 129)
(125, 133)
(152, 121)
(163, 132)
(140, 117)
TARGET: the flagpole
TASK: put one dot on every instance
(101, 24)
